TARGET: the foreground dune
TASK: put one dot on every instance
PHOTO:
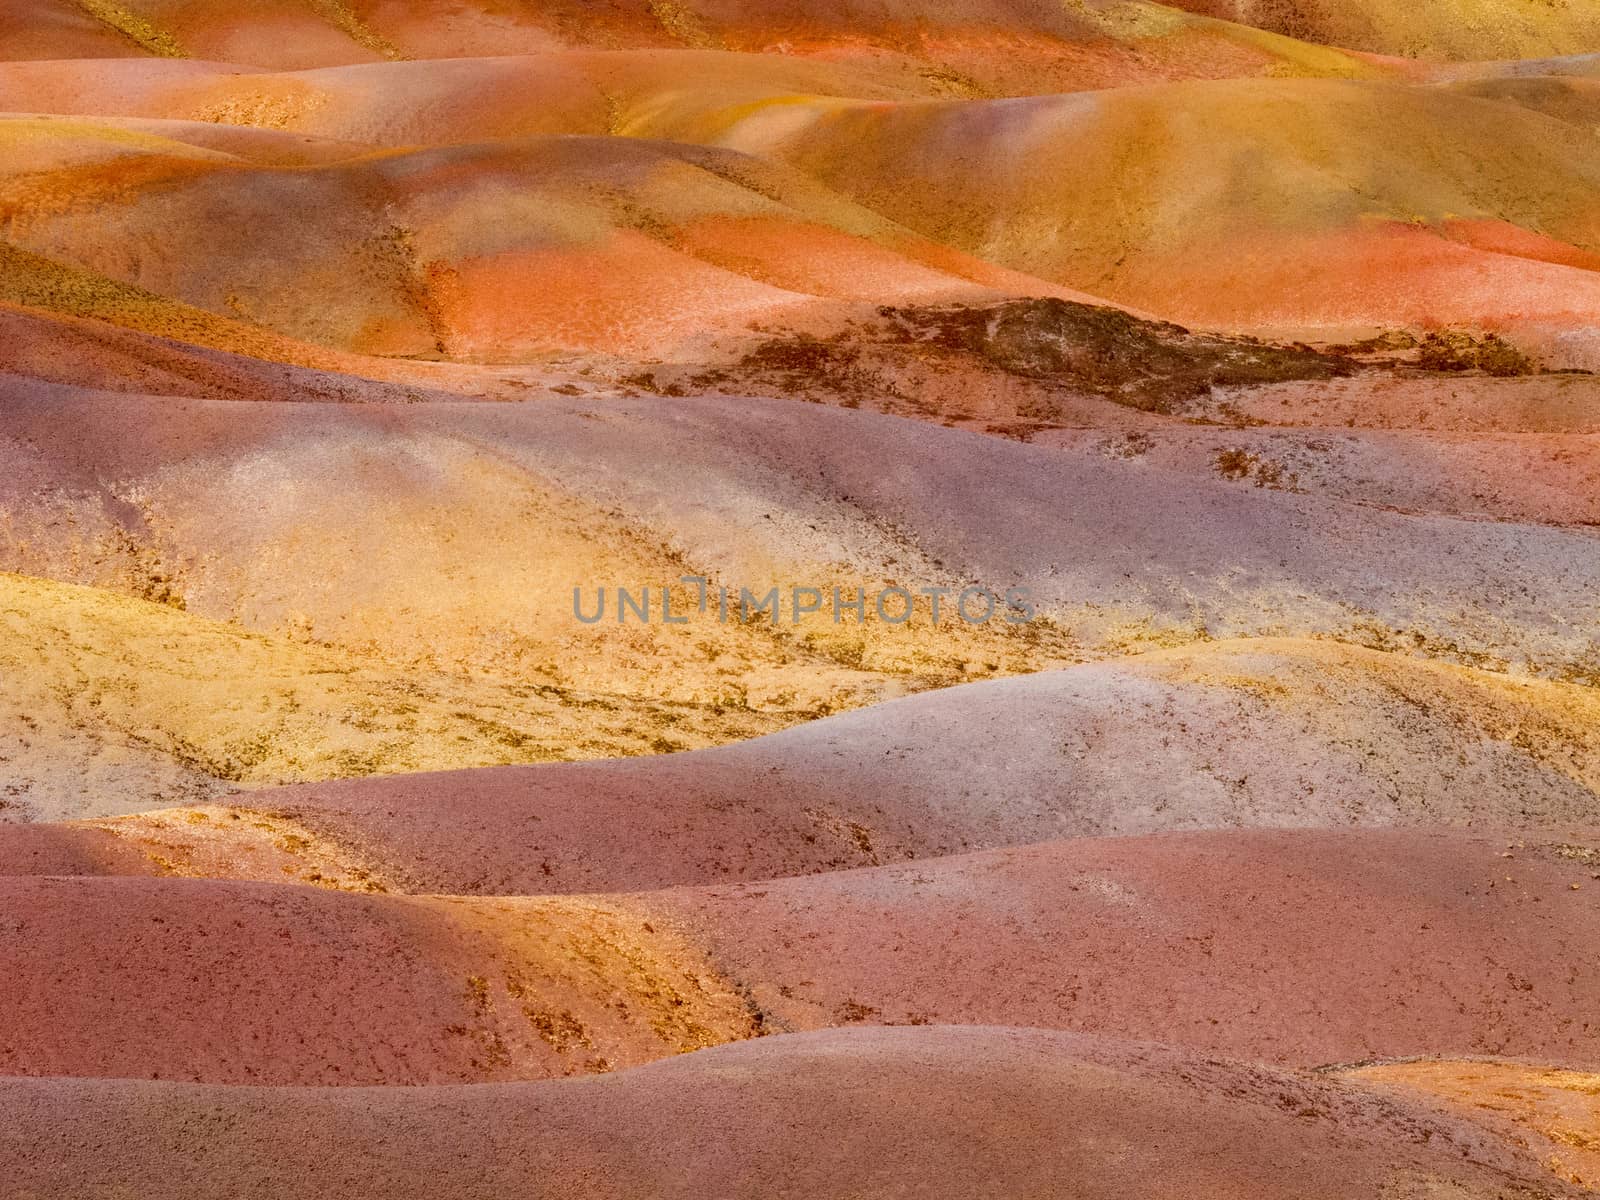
(931, 1112)
(936, 1112)
(1304, 948)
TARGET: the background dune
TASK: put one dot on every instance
(1323, 208)
(1466, 29)
(987, 46)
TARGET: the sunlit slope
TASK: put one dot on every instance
(114, 704)
(1430, 29)
(1004, 47)
(1307, 206)
(1556, 1112)
(489, 252)
(1302, 208)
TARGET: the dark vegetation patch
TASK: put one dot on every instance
(1155, 366)
(1455, 350)
(1148, 365)
(1237, 464)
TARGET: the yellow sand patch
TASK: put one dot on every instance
(133, 26)
(115, 705)
(588, 985)
(348, 20)
(1555, 1113)
(215, 842)
(1555, 724)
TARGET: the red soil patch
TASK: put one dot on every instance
(1379, 277)
(246, 983)
(1302, 947)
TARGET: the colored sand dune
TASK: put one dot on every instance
(827, 598)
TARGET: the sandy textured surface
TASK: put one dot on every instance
(1303, 948)
(352, 351)
(943, 1112)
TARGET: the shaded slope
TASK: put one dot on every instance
(1537, 478)
(941, 1113)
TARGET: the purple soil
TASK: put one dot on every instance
(1305, 948)
(801, 481)
(948, 1112)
